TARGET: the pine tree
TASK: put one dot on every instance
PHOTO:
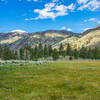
(16, 55)
(55, 54)
(90, 54)
(69, 50)
(83, 53)
(27, 50)
(76, 54)
(46, 51)
(50, 50)
(70, 58)
(61, 50)
(13, 55)
(40, 49)
(21, 53)
(0, 51)
(96, 53)
(31, 53)
(35, 53)
(26, 54)
(7, 54)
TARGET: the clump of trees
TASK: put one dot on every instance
(40, 51)
(7, 54)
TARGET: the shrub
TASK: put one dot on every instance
(70, 58)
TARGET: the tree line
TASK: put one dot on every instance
(40, 51)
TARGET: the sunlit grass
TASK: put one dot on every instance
(50, 81)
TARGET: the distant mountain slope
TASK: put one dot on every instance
(11, 37)
(89, 38)
(17, 39)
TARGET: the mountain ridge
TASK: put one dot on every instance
(16, 39)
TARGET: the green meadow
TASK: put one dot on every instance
(50, 81)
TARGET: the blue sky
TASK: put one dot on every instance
(41, 15)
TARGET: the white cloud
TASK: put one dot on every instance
(51, 10)
(86, 29)
(55, 0)
(92, 20)
(26, 19)
(35, 0)
(63, 28)
(82, 1)
(69, 29)
(98, 22)
(19, 30)
(90, 4)
(85, 20)
(29, 0)
(29, 19)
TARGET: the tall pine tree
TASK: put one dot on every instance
(7, 54)
(76, 54)
(46, 51)
(50, 50)
(61, 50)
(55, 54)
(69, 50)
(40, 49)
(21, 53)
(0, 51)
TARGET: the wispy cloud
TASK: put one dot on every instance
(98, 22)
(90, 4)
(86, 29)
(92, 20)
(63, 28)
(69, 29)
(51, 10)
(82, 1)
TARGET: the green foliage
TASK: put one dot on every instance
(76, 54)
(55, 54)
(35, 53)
(83, 52)
(61, 50)
(7, 54)
(27, 50)
(0, 51)
(90, 54)
(40, 51)
(69, 50)
(50, 50)
(70, 58)
(16, 55)
(96, 53)
(46, 51)
(21, 54)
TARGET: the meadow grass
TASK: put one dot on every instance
(50, 81)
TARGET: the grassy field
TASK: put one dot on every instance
(50, 81)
